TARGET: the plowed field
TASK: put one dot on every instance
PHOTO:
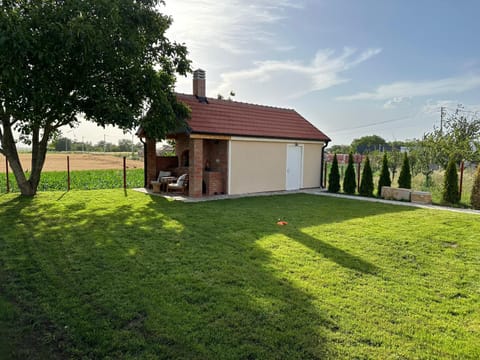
(93, 161)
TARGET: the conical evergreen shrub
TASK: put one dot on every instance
(334, 177)
(450, 185)
(475, 197)
(405, 178)
(349, 182)
(384, 176)
(366, 184)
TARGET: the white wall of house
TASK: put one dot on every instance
(257, 165)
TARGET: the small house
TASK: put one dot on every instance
(232, 147)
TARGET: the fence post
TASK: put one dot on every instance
(6, 175)
(462, 168)
(358, 176)
(68, 173)
(125, 173)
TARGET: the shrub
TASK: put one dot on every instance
(366, 184)
(334, 177)
(451, 194)
(384, 175)
(405, 178)
(475, 196)
(349, 182)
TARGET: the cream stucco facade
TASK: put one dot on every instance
(257, 165)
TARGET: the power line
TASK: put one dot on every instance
(371, 124)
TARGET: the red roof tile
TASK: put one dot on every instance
(226, 117)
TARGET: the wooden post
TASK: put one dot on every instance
(462, 168)
(68, 173)
(358, 176)
(6, 173)
(125, 173)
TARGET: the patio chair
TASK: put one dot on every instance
(157, 184)
(180, 185)
(163, 174)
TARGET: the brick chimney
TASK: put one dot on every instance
(199, 83)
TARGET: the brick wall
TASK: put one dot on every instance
(214, 182)
(216, 152)
(196, 168)
(182, 143)
(168, 163)
(201, 151)
(151, 161)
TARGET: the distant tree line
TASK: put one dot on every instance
(66, 144)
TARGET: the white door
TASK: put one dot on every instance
(294, 167)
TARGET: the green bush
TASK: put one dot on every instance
(384, 175)
(451, 194)
(366, 184)
(334, 177)
(349, 182)
(475, 196)
(405, 178)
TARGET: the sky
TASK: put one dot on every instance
(352, 68)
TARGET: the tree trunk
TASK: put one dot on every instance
(39, 150)
(10, 150)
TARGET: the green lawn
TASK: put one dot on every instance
(114, 275)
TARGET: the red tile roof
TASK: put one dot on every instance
(226, 117)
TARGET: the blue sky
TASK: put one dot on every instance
(343, 64)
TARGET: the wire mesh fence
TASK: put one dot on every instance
(122, 177)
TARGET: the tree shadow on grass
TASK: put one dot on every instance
(145, 277)
(333, 253)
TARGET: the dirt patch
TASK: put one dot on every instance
(83, 161)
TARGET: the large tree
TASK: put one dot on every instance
(108, 60)
(367, 144)
(458, 138)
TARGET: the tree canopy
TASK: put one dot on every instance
(367, 144)
(106, 59)
(458, 138)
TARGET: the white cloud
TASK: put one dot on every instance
(395, 102)
(414, 89)
(292, 78)
(234, 26)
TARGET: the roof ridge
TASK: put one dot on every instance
(240, 102)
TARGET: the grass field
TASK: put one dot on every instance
(109, 275)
